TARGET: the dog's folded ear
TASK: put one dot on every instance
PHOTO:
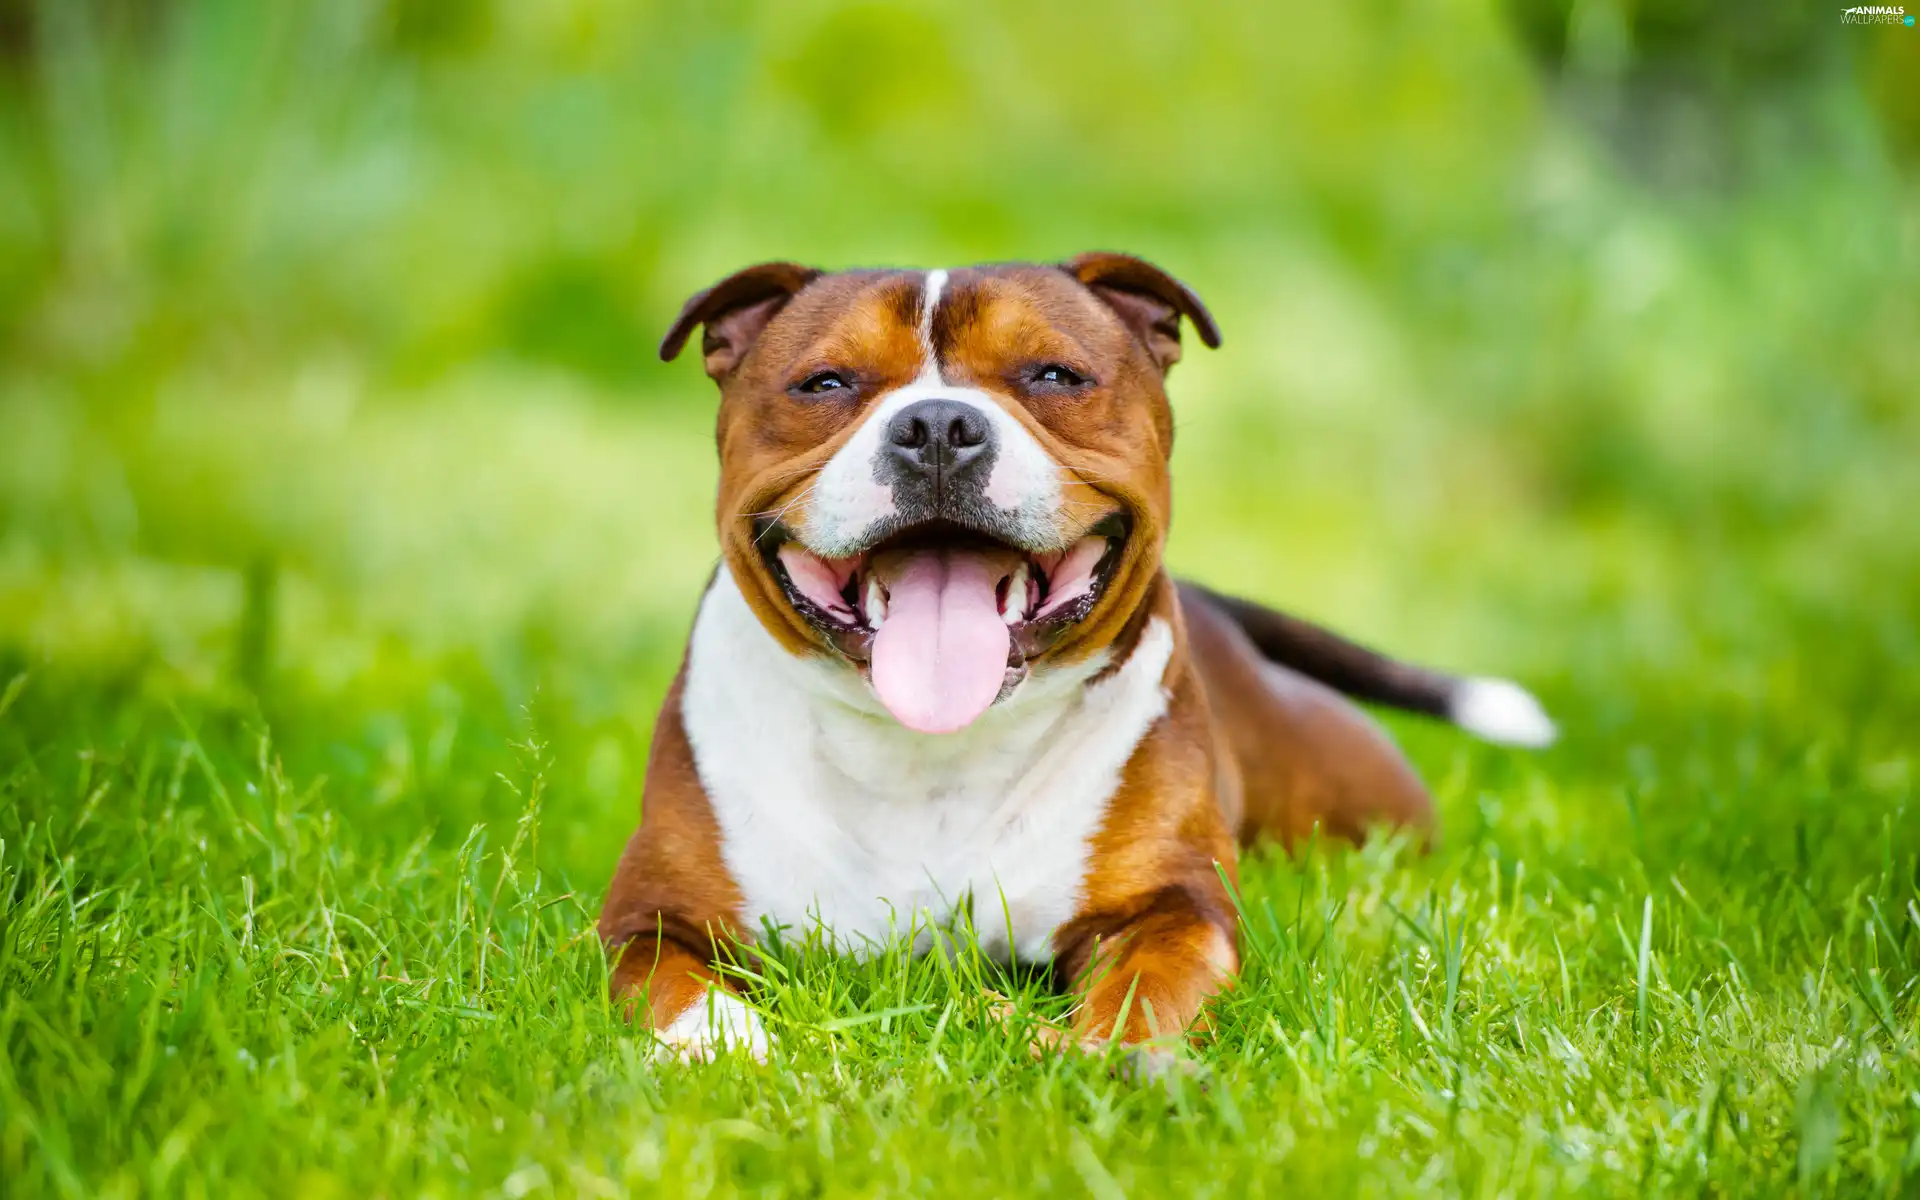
(1150, 301)
(734, 311)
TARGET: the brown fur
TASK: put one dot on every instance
(1301, 755)
(672, 910)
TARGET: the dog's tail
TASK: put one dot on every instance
(1495, 709)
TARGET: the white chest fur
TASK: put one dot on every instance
(833, 814)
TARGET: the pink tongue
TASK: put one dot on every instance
(941, 653)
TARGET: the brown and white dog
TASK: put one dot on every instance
(940, 664)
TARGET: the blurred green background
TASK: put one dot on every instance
(350, 532)
(1577, 341)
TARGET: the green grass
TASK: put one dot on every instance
(334, 933)
(349, 537)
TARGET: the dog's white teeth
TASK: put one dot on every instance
(876, 602)
(1013, 605)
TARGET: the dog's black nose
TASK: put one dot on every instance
(940, 439)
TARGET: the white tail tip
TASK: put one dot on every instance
(1501, 711)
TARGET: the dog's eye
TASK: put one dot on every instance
(1058, 375)
(822, 381)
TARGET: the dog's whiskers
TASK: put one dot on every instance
(781, 513)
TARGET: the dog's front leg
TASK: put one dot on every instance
(684, 1000)
(1156, 935)
(672, 911)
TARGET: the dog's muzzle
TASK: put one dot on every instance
(937, 453)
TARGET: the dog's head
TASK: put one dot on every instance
(944, 478)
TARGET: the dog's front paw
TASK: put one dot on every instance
(718, 1023)
(1157, 1063)
(1043, 1036)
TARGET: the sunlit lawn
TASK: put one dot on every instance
(330, 928)
(349, 536)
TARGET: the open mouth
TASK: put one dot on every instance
(944, 619)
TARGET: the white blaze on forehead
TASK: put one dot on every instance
(936, 283)
(848, 497)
